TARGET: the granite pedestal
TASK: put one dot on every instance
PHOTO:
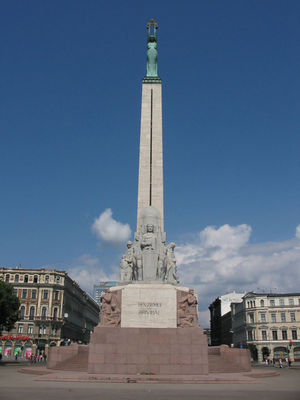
(159, 351)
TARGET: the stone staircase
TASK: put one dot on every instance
(222, 359)
(79, 362)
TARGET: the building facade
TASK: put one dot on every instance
(53, 308)
(268, 324)
(220, 318)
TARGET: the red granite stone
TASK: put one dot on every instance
(96, 358)
(152, 349)
(154, 338)
(164, 348)
(179, 359)
(159, 359)
(148, 368)
(113, 358)
(164, 351)
(184, 339)
(136, 358)
(171, 369)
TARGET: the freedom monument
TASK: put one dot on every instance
(149, 323)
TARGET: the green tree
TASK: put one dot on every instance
(9, 306)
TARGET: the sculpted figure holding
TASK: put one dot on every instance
(137, 254)
(152, 52)
(162, 262)
(110, 309)
(149, 253)
(148, 239)
(126, 265)
(171, 269)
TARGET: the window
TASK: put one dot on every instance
(7, 278)
(273, 317)
(44, 312)
(299, 302)
(264, 335)
(31, 313)
(17, 278)
(253, 303)
(15, 292)
(272, 303)
(281, 302)
(294, 334)
(274, 335)
(56, 294)
(55, 313)
(30, 329)
(251, 318)
(291, 302)
(20, 328)
(262, 317)
(45, 295)
(42, 330)
(248, 304)
(35, 279)
(250, 336)
(54, 330)
(47, 279)
(284, 335)
(57, 279)
(24, 293)
(282, 316)
(26, 278)
(262, 303)
(22, 312)
(33, 294)
(293, 316)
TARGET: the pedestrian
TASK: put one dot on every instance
(45, 357)
(290, 361)
(274, 361)
(286, 361)
(280, 363)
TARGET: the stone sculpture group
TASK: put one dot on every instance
(149, 259)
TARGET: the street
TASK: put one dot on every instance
(15, 385)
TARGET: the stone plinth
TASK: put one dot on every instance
(161, 351)
(149, 306)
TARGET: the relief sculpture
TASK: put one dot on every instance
(187, 315)
(110, 314)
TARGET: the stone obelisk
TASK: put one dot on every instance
(150, 183)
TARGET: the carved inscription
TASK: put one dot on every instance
(149, 308)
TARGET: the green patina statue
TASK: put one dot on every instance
(152, 52)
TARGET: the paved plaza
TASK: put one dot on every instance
(15, 385)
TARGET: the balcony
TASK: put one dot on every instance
(41, 318)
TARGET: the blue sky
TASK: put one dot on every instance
(70, 85)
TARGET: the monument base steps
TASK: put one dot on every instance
(157, 351)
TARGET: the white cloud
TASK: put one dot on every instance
(87, 271)
(221, 260)
(109, 230)
(298, 232)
